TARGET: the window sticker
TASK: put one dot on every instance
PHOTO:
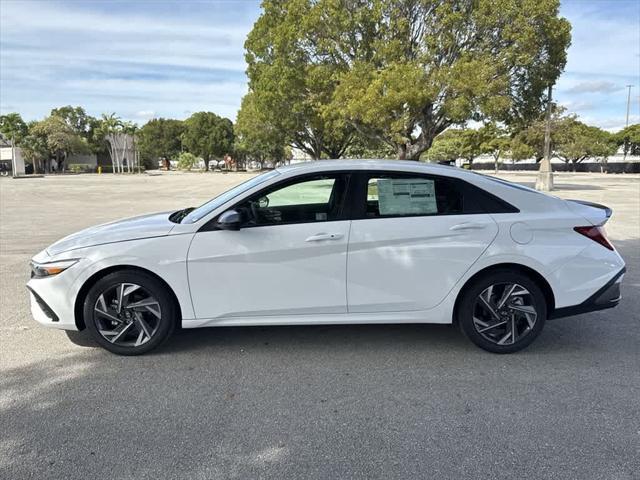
(406, 196)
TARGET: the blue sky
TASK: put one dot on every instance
(164, 58)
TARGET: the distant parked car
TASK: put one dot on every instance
(336, 242)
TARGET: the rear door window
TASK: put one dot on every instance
(403, 195)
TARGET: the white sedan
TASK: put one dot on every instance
(336, 242)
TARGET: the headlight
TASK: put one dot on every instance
(41, 270)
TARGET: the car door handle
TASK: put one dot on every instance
(468, 226)
(324, 236)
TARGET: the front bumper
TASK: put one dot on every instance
(52, 299)
(608, 296)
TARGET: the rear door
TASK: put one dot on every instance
(288, 258)
(412, 238)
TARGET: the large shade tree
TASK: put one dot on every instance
(629, 139)
(208, 136)
(577, 142)
(289, 88)
(256, 138)
(160, 139)
(402, 71)
(60, 138)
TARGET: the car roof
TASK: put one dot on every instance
(370, 164)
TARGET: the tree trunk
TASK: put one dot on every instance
(402, 151)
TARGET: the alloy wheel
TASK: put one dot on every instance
(504, 313)
(127, 315)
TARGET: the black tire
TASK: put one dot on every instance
(162, 329)
(471, 305)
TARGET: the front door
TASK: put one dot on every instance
(415, 238)
(288, 258)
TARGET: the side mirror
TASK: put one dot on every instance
(229, 220)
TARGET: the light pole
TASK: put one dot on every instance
(624, 157)
(13, 157)
(628, 104)
(544, 181)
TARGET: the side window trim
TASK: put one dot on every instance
(343, 210)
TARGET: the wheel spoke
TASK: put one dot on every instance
(489, 307)
(143, 325)
(523, 308)
(120, 292)
(480, 322)
(102, 303)
(119, 334)
(140, 339)
(130, 289)
(492, 326)
(143, 303)
(107, 315)
(506, 294)
(155, 311)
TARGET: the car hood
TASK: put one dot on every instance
(146, 226)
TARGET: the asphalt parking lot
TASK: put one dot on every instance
(414, 401)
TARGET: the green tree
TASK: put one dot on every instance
(529, 141)
(494, 141)
(61, 140)
(447, 147)
(34, 148)
(577, 142)
(75, 117)
(291, 89)
(454, 144)
(13, 128)
(160, 139)
(256, 138)
(208, 136)
(629, 139)
(403, 71)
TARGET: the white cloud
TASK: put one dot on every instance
(53, 54)
(597, 86)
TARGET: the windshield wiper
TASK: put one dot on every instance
(176, 217)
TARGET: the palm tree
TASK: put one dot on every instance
(110, 130)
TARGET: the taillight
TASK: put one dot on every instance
(596, 234)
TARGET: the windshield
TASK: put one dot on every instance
(223, 198)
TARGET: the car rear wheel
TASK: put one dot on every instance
(502, 312)
(129, 313)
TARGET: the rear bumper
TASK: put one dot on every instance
(606, 297)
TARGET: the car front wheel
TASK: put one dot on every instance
(129, 312)
(502, 312)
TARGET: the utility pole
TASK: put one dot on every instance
(544, 181)
(624, 158)
(628, 104)
(14, 174)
